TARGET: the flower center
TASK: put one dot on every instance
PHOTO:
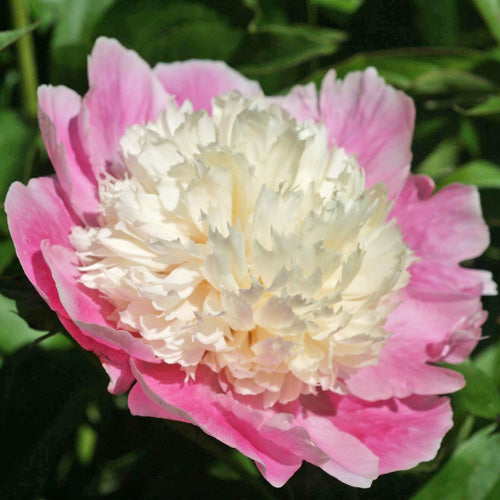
(242, 242)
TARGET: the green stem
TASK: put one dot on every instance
(26, 57)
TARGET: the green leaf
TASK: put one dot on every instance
(44, 10)
(7, 254)
(426, 130)
(73, 35)
(344, 6)
(479, 396)
(86, 439)
(177, 31)
(491, 106)
(15, 138)
(274, 48)
(469, 137)
(11, 36)
(472, 472)
(480, 173)
(56, 387)
(494, 493)
(438, 21)
(32, 308)
(76, 20)
(222, 471)
(451, 80)
(490, 11)
(419, 70)
(442, 160)
(14, 332)
(488, 361)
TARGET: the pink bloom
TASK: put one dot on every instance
(168, 244)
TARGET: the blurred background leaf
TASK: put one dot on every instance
(11, 36)
(346, 6)
(473, 471)
(490, 11)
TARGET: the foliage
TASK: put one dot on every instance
(63, 435)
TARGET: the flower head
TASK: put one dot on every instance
(265, 268)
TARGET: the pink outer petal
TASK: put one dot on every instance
(85, 308)
(123, 92)
(36, 213)
(58, 110)
(402, 433)
(141, 405)
(440, 316)
(418, 328)
(372, 120)
(301, 102)
(450, 280)
(116, 363)
(200, 81)
(272, 438)
(447, 226)
(424, 222)
(199, 404)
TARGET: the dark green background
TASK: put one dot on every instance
(62, 436)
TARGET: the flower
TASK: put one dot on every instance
(266, 268)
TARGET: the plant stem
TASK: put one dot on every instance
(26, 58)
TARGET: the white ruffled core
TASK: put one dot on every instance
(242, 242)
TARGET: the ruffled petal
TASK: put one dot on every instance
(123, 91)
(58, 110)
(200, 81)
(371, 119)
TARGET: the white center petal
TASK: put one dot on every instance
(242, 242)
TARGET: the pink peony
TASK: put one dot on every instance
(267, 269)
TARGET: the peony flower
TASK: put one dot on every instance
(267, 269)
